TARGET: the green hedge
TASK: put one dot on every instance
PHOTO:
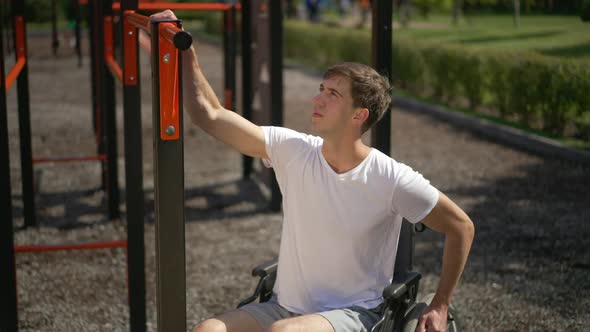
(526, 87)
(535, 90)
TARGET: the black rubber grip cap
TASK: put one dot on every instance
(183, 40)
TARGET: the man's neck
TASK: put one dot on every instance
(343, 155)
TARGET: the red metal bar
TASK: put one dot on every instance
(228, 99)
(138, 20)
(169, 89)
(21, 39)
(179, 6)
(114, 68)
(69, 159)
(72, 246)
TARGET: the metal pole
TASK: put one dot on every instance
(97, 63)
(55, 40)
(169, 195)
(24, 116)
(135, 197)
(231, 67)
(382, 48)
(276, 85)
(8, 304)
(247, 90)
(110, 128)
(76, 6)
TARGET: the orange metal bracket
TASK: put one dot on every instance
(130, 46)
(21, 51)
(169, 87)
(108, 48)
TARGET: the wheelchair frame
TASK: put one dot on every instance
(399, 297)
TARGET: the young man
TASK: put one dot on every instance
(343, 204)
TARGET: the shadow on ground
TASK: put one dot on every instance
(84, 208)
(531, 237)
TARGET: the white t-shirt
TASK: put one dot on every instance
(340, 231)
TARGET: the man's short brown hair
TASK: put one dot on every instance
(369, 89)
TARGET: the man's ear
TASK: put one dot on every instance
(360, 116)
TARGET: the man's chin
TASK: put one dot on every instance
(316, 131)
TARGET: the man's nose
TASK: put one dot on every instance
(318, 100)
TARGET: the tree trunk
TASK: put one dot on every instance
(517, 14)
(457, 5)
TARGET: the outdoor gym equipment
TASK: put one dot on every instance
(168, 160)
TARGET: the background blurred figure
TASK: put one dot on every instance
(365, 6)
(313, 10)
(405, 11)
(290, 8)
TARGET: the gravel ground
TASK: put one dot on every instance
(528, 268)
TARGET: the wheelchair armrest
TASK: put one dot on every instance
(400, 286)
(266, 268)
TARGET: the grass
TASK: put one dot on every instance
(557, 36)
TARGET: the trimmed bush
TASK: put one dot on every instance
(38, 10)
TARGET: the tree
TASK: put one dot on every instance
(585, 11)
(516, 13)
(457, 6)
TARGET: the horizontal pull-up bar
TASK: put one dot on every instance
(71, 246)
(181, 6)
(169, 31)
(100, 157)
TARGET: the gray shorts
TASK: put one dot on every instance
(352, 319)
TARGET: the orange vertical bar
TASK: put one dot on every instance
(130, 46)
(169, 89)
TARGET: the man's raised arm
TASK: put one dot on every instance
(205, 110)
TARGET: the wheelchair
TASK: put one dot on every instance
(400, 311)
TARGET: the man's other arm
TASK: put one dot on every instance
(449, 219)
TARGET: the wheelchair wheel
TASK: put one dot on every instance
(413, 316)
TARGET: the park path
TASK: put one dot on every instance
(529, 260)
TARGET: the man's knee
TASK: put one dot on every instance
(210, 325)
(283, 326)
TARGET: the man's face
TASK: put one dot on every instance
(332, 106)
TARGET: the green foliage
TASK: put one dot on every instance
(526, 86)
(585, 10)
(583, 125)
(412, 76)
(470, 76)
(320, 46)
(425, 7)
(496, 70)
(37, 10)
